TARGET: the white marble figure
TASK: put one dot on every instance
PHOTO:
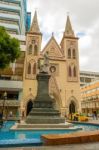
(45, 66)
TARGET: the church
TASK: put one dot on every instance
(64, 84)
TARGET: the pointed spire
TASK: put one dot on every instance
(68, 28)
(35, 26)
(52, 34)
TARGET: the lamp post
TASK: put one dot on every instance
(86, 102)
(96, 99)
(4, 98)
(86, 108)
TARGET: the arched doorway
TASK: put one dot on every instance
(72, 107)
(29, 106)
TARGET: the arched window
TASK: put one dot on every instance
(69, 53)
(74, 53)
(30, 49)
(35, 50)
(34, 68)
(29, 68)
(70, 71)
(74, 71)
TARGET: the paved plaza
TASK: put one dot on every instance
(92, 146)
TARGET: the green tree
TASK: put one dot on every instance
(9, 48)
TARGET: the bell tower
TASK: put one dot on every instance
(33, 47)
(69, 45)
(34, 38)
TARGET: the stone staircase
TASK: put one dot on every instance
(25, 126)
(55, 92)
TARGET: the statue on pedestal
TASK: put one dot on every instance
(43, 111)
(44, 68)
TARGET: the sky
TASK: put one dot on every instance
(84, 18)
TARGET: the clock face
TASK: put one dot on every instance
(52, 69)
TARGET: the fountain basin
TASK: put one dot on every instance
(25, 137)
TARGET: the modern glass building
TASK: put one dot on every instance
(88, 77)
(28, 21)
(25, 11)
(13, 15)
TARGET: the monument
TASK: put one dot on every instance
(43, 111)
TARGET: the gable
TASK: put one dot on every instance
(53, 49)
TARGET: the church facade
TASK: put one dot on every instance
(64, 84)
(19, 80)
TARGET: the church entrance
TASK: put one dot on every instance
(29, 106)
(72, 107)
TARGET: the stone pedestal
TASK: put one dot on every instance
(43, 111)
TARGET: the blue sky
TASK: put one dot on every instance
(85, 22)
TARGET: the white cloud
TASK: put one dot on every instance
(85, 42)
(83, 61)
(84, 18)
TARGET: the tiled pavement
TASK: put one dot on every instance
(92, 146)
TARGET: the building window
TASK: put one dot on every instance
(74, 71)
(22, 42)
(34, 68)
(81, 79)
(87, 80)
(35, 50)
(74, 53)
(29, 68)
(30, 49)
(69, 53)
(70, 71)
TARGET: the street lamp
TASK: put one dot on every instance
(96, 100)
(4, 98)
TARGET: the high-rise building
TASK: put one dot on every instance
(25, 11)
(87, 77)
(28, 21)
(90, 98)
(13, 15)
